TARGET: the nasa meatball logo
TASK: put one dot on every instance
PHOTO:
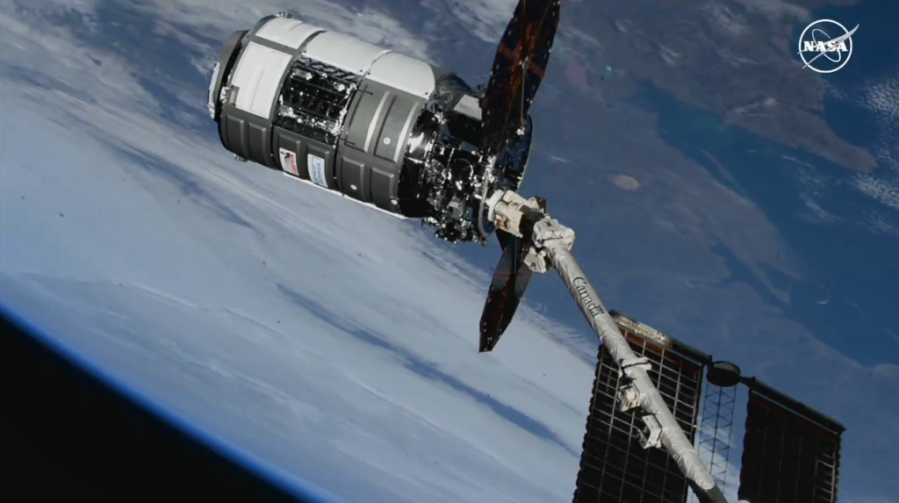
(825, 46)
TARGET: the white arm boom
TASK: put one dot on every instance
(552, 243)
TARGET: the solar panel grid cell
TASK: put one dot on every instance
(787, 457)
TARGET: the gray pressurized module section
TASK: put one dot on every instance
(377, 127)
(326, 108)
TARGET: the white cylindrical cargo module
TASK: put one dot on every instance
(382, 128)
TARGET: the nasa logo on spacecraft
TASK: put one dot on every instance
(825, 51)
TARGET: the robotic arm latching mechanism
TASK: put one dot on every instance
(549, 247)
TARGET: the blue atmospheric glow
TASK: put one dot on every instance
(256, 466)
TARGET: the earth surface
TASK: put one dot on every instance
(720, 193)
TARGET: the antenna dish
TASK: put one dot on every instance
(723, 374)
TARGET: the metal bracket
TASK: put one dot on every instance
(537, 260)
(651, 433)
(549, 233)
(629, 397)
(640, 362)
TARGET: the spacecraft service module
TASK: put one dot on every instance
(378, 127)
(392, 132)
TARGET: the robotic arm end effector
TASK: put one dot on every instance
(527, 219)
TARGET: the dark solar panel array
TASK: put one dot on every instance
(518, 69)
(789, 456)
(614, 467)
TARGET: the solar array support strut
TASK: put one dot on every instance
(551, 249)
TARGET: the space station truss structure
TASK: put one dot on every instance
(791, 453)
(615, 466)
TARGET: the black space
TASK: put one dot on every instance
(64, 433)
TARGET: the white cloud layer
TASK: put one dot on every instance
(334, 343)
